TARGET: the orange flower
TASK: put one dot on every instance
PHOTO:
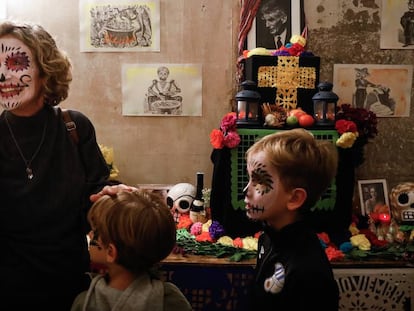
(204, 237)
(238, 242)
(185, 222)
(334, 253)
(217, 139)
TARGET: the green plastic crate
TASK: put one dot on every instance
(239, 177)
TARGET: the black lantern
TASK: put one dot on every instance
(248, 105)
(324, 105)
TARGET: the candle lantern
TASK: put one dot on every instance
(248, 105)
(324, 105)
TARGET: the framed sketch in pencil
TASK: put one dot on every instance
(275, 23)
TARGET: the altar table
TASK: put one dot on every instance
(212, 284)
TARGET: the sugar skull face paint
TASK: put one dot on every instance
(265, 196)
(19, 75)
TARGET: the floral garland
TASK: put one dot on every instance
(209, 239)
(226, 135)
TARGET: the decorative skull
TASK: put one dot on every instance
(402, 203)
(179, 199)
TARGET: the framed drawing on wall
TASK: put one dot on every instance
(275, 23)
(382, 89)
(371, 193)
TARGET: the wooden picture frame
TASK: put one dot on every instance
(372, 192)
(259, 35)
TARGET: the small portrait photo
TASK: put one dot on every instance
(275, 23)
(372, 192)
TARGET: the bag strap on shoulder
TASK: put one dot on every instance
(70, 126)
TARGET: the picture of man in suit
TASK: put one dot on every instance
(273, 25)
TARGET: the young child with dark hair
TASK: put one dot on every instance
(131, 233)
(288, 172)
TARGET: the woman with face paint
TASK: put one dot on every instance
(288, 172)
(47, 181)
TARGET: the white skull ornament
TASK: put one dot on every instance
(179, 199)
(402, 203)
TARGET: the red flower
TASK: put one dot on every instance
(228, 123)
(333, 253)
(365, 120)
(373, 239)
(343, 126)
(231, 140)
(227, 135)
(324, 237)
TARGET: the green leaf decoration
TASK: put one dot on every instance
(188, 243)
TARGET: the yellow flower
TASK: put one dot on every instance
(361, 241)
(225, 240)
(108, 154)
(347, 139)
(206, 226)
(250, 243)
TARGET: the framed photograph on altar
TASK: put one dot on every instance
(275, 23)
(371, 193)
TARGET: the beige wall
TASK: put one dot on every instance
(149, 149)
(172, 150)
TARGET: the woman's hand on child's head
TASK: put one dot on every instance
(111, 190)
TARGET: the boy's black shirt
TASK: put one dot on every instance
(309, 283)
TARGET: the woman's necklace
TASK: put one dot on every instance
(28, 163)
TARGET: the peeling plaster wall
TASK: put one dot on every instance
(341, 33)
(172, 150)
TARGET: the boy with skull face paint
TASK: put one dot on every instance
(288, 172)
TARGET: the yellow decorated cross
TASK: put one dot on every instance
(287, 77)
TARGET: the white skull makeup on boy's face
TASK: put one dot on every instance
(265, 196)
(19, 75)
